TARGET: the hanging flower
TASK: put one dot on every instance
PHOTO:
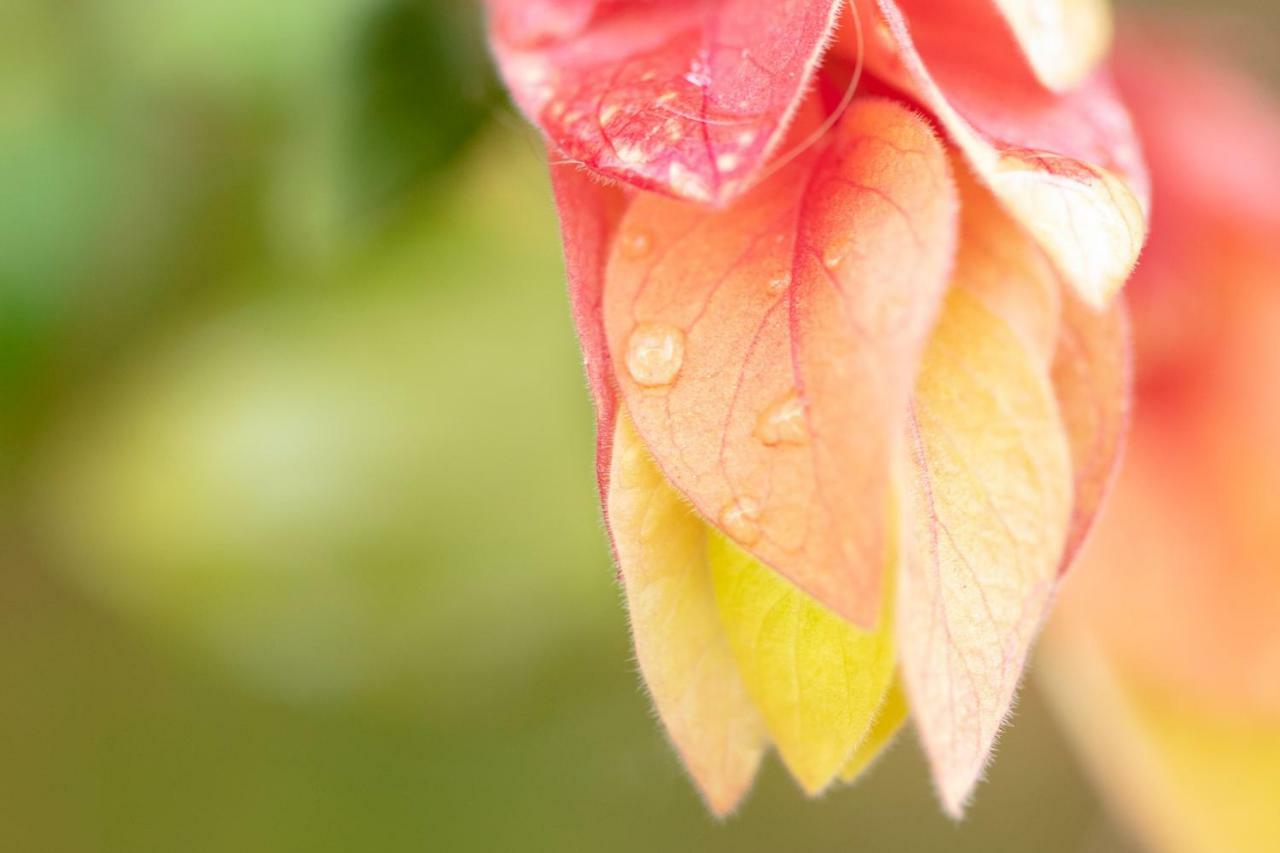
(1165, 662)
(821, 258)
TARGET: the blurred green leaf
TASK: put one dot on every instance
(421, 87)
(302, 484)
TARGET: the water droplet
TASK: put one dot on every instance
(832, 258)
(728, 161)
(655, 353)
(687, 182)
(779, 284)
(784, 422)
(699, 73)
(636, 244)
(741, 520)
(631, 154)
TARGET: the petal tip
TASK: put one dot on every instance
(955, 787)
(723, 801)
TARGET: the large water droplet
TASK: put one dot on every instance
(784, 422)
(741, 520)
(636, 244)
(655, 353)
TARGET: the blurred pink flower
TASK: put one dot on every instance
(1166, 653)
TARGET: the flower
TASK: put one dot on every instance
(821, 258)
(1165, 658)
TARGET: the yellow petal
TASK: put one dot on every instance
(817, 679)
(889, 719)
(1090, 220)
(683, 652)
(990, 504)
(1187, 779)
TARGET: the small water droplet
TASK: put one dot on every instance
(784, 422)
(655, 353)
(779, 284)
(636, 244)
(832, 258)
(728, 161)
(741, 520)
(699, 73)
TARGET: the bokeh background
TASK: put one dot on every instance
(299, 548)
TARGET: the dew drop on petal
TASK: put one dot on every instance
(832, 258)
(778, 284)
(728, 161)
(655, 353)
(784, 422)
(636, 244)
(741, 520)
(699, 73)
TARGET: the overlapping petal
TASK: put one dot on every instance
(1009, 274)
(1067, 163)
(682, 649)
(683, 97)
(1064, 41)
(991, 498)
(766, 352)
(589, 214)
(889, 720)
(818, 681)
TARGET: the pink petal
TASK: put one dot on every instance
(589, 214)
(684, 98)
(1067, 164)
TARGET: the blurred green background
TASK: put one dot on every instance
(299, 547)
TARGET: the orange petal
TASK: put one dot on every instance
(1006, 272)
(1093, 377)
(1067, 164)
(766, 352)
(991, 499)
(682, 649)
(684, 98)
